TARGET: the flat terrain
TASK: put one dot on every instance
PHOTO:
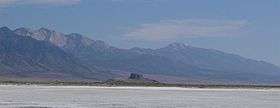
(135, 97)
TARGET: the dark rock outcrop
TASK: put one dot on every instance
(135, 76)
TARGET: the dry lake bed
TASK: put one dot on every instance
(134, 97)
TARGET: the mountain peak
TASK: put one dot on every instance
(5, 30)
(44, 29)
(22, 30)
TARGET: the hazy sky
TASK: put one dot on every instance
(250, 28)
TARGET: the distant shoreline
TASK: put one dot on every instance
(136, 85)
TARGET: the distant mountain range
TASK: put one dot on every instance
(47, 54)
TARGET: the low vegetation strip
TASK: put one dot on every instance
(116, 83)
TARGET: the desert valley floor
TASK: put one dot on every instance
(135, 97)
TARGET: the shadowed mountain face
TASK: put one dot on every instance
(215, 60)
(101, 55)
(26, 57)
(175, 61)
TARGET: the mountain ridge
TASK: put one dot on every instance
(26, 57)
(177, 60)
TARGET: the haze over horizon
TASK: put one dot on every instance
(247, 28)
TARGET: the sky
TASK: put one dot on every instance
(249, 28)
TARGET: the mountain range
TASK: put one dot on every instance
(51, 55)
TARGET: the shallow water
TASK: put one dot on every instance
(129, 97)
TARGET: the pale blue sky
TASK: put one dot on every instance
(246, 27)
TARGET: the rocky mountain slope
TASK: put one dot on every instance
(25, 57)
(175, 62)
